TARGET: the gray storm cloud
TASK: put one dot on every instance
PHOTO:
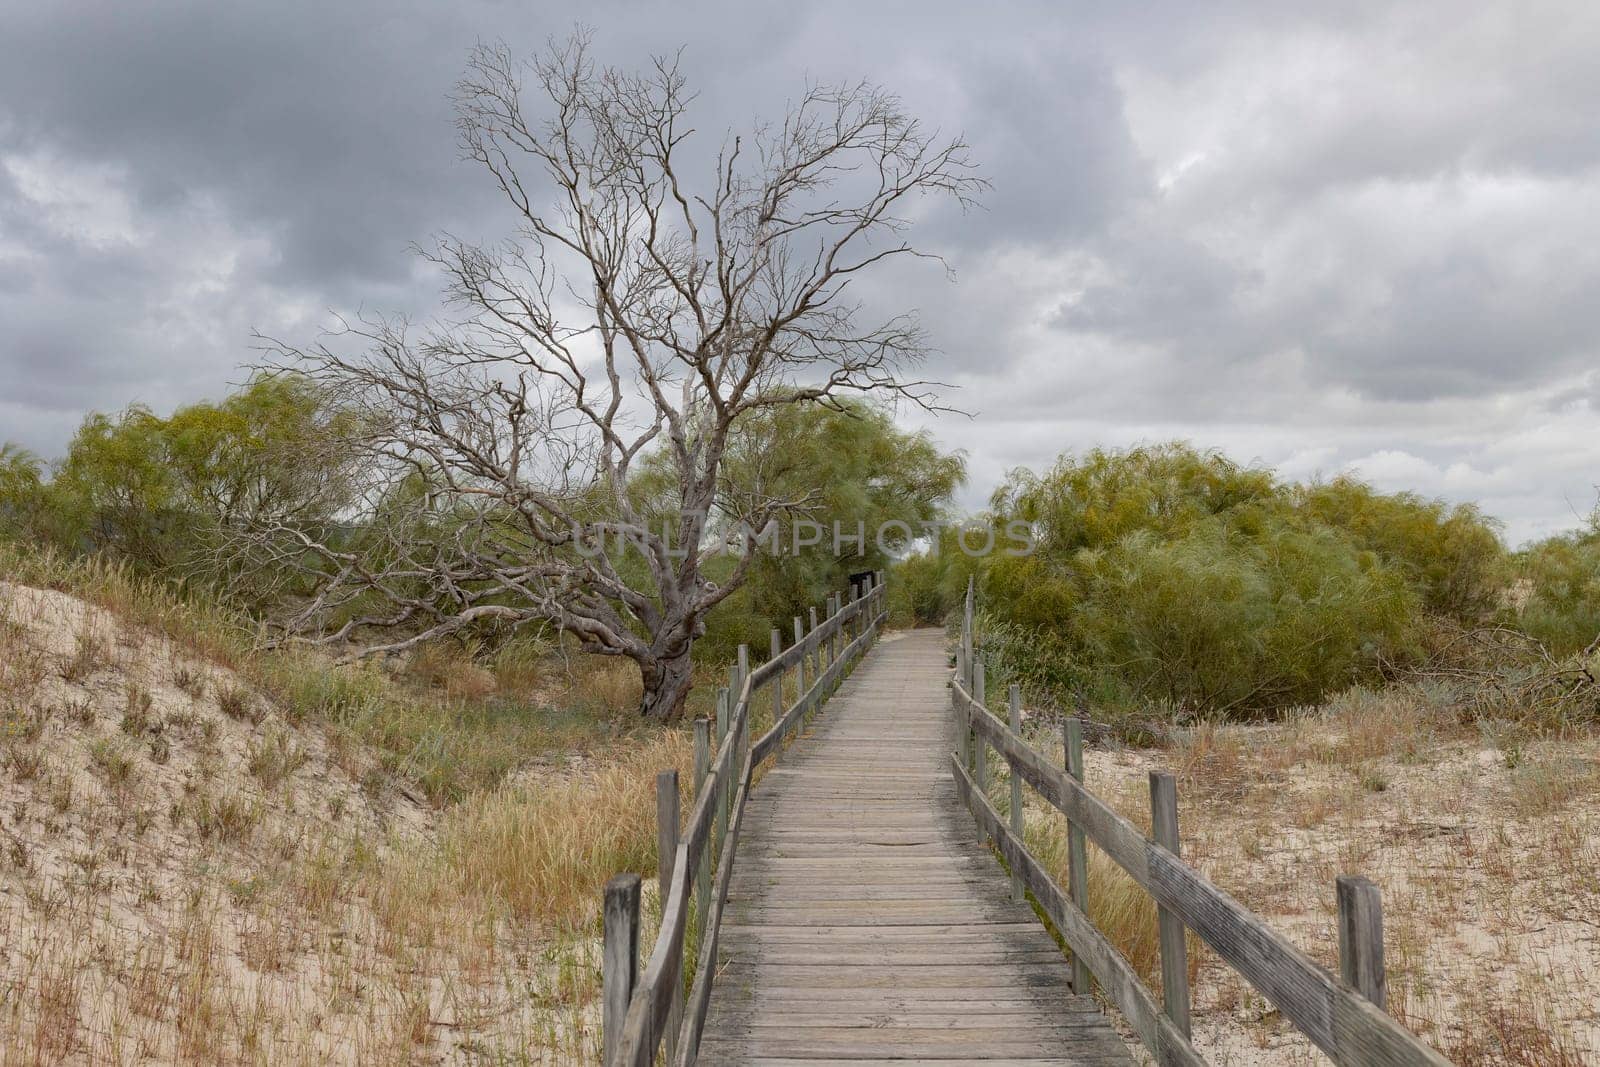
(1355, 240)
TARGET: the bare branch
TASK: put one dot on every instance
(499, 452)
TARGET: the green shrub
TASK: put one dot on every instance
(1557, 596)
(1173, 576)
(916, 591)
(1451, 553)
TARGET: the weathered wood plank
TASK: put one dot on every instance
(621, 954)
(1361, 937)
(968, 1046)
(1166, 1042)
(864, 921)
(1174, 951)
(740, 1060)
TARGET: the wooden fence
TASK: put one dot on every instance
(1344, 1017)
(650, 1012)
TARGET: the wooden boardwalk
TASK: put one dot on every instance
(865, 924)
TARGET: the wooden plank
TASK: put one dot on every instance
(978, 954)
(927, 1000)
(1077, 852)
(952, 976)
(934, 932)
(1165, 1042)
(980, 757)
(1014, 704)
(968, 1046)
(742, 1060)
(776, 682)
(863, 921)
(780, 1017)
(702, 768)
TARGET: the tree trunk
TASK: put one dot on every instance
(666, 686)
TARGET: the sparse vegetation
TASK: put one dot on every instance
(273, 757)
(237, 702)
(440, 849)
(112, 759)
(1485, 855)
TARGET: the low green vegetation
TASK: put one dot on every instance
(1166, 581)
(1556, 592)
(1174, 579)
(157, 492)
(170, 498)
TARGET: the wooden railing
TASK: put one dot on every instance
(1343, 1017)
(650, 1012)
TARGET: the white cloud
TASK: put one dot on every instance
(1319, 236)
(81, 202)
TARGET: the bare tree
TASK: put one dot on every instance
(629, 315)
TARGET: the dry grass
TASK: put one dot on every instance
(452, 668)
(1485, 843)
(274, 757)
(1519, 1030)
(544, 848)
(1550, 784)
(217, 857)
(606, 685)
(521, 666)
(1119, 907)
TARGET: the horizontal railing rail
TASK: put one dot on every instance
(646, 1013)
(1343, 1017)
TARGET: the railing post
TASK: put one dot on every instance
(966, 633)
(980, 748)
(1015, 696)
(800, 672)
(619, 958)
(1361, 937)
(667, 808)
(702, 767)
(832, 608)
(826, 651)
(963, 718)
(1174, 953)
(777, 679)
(814, 642)
(1077, 850)
(724, 717)
(744, 725)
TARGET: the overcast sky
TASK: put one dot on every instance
(1320, 236)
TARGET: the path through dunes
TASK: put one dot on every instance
(865, 923)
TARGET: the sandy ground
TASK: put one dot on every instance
(1486, 848)
(190, 877)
